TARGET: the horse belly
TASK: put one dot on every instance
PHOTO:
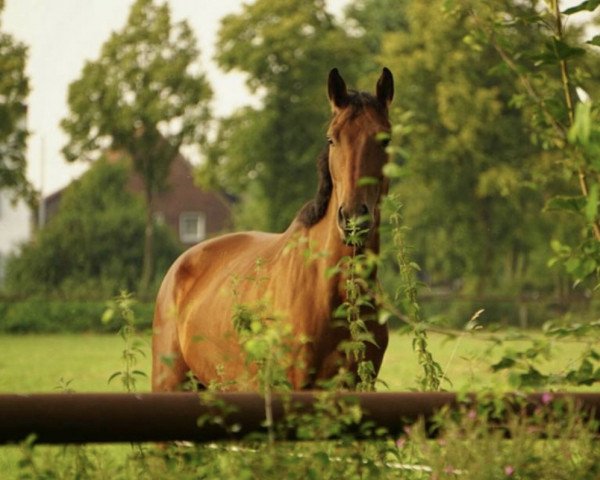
(209, 343)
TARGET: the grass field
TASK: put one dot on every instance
(42, 363)
(45, 363)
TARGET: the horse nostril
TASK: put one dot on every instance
(363, 210)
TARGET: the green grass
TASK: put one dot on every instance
(466, 361)
(40, 363)
(37, 363)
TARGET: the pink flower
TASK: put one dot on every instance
(547, 397)
(509, 470)
(401, 442)
(472, 414)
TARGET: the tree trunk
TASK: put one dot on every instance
(148, 259)
(487, 262)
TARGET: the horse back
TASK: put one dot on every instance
(212, 265)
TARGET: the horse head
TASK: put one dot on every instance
(358, 135)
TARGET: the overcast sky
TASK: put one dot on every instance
(62, 34)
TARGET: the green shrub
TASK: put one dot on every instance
(93, 247)
(53, 316)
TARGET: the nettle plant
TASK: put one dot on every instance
(122, 307)
(407, 297)
(359, 306)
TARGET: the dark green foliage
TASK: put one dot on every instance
(561, 122)
(92, 247)
(373, 20)
(14, 88)
(55, 316)
(468, 154)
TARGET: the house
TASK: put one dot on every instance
(16, 221)
(192, 213)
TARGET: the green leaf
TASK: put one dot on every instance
(383, 137)
(587, 267)
(533, 378)
(556, 50)
(365, 181)
(564, 51)
(572, 264)
(553, 261)
(589, 5)
(591, 207)
(113, 376)
(383, 316)
(559, 248)
(107, 316)
(594, 41)
(506, 362)
(573, 204)
(168, 360)
(415, 266)
(580, 132)
(392, 170)
(332, 271)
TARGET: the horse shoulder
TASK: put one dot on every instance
(215, 261)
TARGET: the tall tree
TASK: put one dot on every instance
(267, 155)
(146, 96)
(553, 77)
(14, 88)
(372, 20)
(471, 202)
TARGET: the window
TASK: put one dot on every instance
(192, 227)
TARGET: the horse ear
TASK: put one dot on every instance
(336, 90)
(385, 88)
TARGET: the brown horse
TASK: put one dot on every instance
(193, 324)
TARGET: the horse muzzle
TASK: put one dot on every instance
(355, 227)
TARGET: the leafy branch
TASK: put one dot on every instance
(576, 137)
(132, 351)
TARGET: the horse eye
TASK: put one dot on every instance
(330, 140)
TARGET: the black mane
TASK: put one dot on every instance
(315, 210)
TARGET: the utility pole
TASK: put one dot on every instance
(42, 204)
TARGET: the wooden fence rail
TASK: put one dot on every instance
(159, 417)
